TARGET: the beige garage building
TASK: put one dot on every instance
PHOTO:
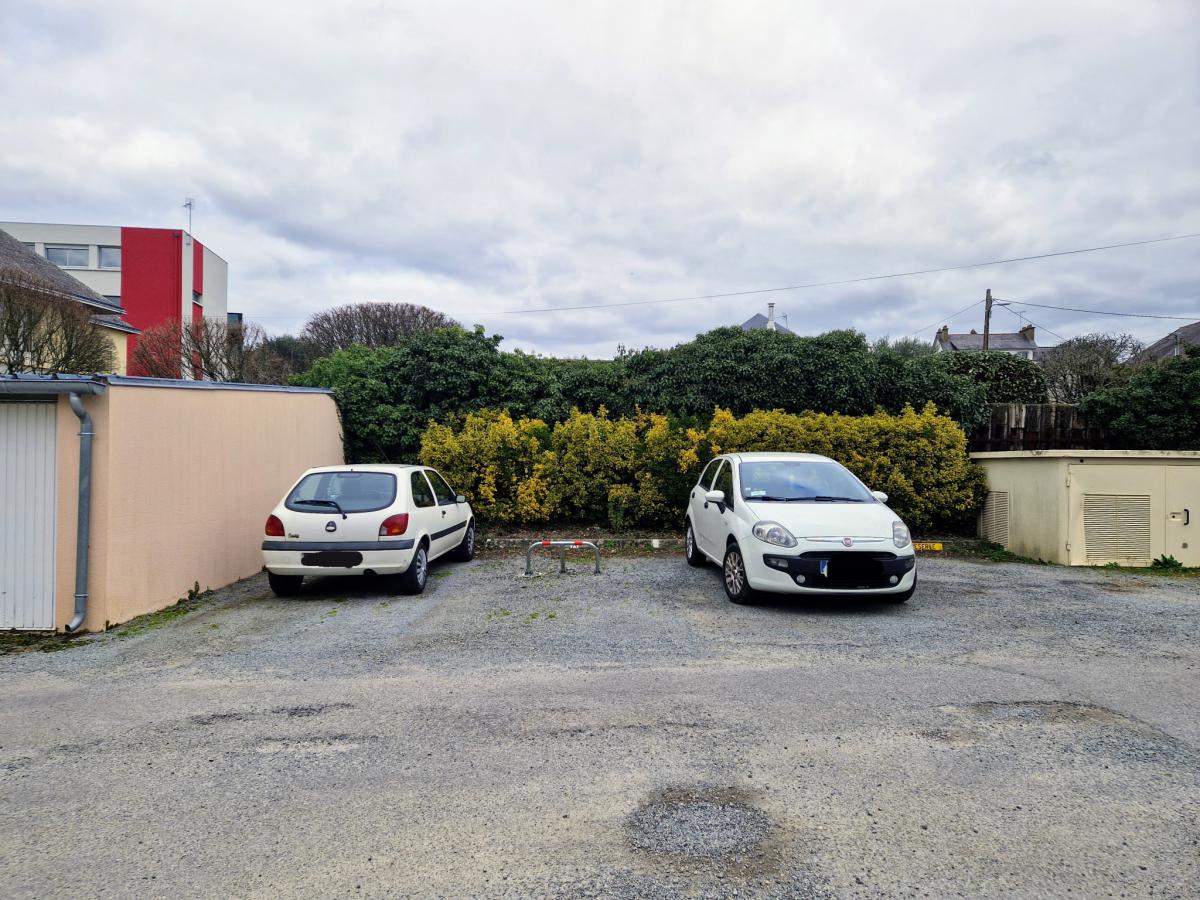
(1094, 507)
(120, 494)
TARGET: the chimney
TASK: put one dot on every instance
(1028, 333)
(771, 316)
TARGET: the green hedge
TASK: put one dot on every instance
(637, 470)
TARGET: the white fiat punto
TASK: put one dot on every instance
(797, 523)
(360, 520)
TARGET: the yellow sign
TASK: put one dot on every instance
(926, 545)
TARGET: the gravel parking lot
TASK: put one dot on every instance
(1017, 731)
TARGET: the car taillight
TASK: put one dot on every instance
(394, 526)
(274, 527)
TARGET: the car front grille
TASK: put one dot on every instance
(849, 569)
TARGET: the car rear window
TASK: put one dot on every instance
(351, 491)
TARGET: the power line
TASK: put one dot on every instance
(947, 318)
(1101, 312)
(1030, 321)
(844, 281)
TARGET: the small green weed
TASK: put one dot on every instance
(150, 621)
(1166, 562)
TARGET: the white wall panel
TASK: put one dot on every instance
(28, 477)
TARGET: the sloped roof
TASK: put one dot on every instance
(1189, 336)
(758, 320)
(16, 257)
(996, 341)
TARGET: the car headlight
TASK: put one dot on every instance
(774, 533)
(900, 535)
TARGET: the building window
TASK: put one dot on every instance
(110, 257)
(115, 301)
(198, 299)
(63, 255)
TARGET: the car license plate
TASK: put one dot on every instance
(332, 559)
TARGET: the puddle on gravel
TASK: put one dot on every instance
(313, 745)
(1079, 727)
(704, 824)
(303, 712)
(1052, 712)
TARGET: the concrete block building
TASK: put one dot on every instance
(155, 275)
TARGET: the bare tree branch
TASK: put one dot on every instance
(1088, 363)
(370, 325)
(43, 331)
(208, 349)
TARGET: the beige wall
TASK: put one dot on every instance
(120, 344)
(1046, 490)
(1037, 492)
(183, 479)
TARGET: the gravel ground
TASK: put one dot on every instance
(1015, 731)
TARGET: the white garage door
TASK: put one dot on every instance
(27, 500)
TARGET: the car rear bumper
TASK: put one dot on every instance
(833, 572)
(338, 557)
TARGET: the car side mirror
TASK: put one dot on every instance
(880, 496)
(460, 499)
(714, 496)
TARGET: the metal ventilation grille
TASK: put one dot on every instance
(1116, 527)
(995, 518)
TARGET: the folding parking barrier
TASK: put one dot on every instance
(563, 547)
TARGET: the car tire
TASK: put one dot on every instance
(284, 585)
(906, 596)
(417, 574)
(465, 552)
(733, 572)
(695, 556)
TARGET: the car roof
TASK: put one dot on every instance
(389, 468)
(778, 457)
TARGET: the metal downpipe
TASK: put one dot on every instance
(84, 517)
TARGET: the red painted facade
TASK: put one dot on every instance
(152, 279)
(197, 267)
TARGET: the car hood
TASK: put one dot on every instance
(827, 519)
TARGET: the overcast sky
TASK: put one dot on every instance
(484, 158)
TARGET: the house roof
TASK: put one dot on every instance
(1188, 336)
(16, 257)
(759, 321)
(996, 341)
(116, 323)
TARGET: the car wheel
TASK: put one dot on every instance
(465, 551)
(906, 596)
(284, 585)
(737, 586)
(694, 556)
(414, 578)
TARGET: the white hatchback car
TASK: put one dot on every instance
(797, 523)
(359, 520)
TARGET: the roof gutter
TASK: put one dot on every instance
(74, 389)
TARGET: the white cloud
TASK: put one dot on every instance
(482, 158)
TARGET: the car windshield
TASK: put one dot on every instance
(796, 481)
(346, 492)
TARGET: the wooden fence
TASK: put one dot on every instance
(1036, 426)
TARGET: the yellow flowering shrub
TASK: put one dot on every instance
(499, 464)
(919, 459)
(638, 470)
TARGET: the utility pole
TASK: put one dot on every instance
(987, 317)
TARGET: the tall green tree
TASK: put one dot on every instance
(1158, 408)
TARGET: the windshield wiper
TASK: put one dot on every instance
(826, 499)
(332, 503)
(768, 499)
